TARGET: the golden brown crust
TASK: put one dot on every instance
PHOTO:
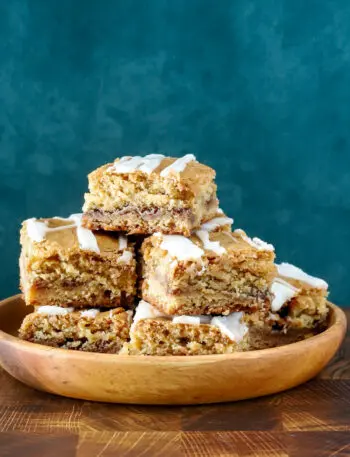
(61, 241)
(163, 337)
(306, 312)
(141, 203)
(56, 271)
(238, 252)
(183, 185)
(308, 309)
(205, 304)
(80, 296)
(236, 280)
(107, 332)
(306, 288)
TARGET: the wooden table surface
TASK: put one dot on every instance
(311, 420)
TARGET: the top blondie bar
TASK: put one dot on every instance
(144, 195)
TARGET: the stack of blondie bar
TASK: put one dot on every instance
(153, 267)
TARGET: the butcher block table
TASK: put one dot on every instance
(311, 420)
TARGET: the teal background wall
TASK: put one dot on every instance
(257, 89)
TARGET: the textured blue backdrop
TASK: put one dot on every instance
(257, 89)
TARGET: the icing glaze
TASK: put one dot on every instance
(153, 162)
(193, 320)
(123, 242)
(90, 312)
(53, 310)
(127, 164)
(180, 247)
(126, 257)
(214, 246)
(283, 292)
(257, 243)
(38, 230)
(231, 326)
(216, 223)
(178, 166)
(86, 238)
(290, 271)
(146, 311)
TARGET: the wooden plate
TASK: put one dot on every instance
(162, 380)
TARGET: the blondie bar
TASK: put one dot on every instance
(90, 330)
(64, 264)
(143, 195)
(154, 333)
(208, 273)
(300, 300)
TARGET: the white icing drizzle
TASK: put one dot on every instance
(283, 292)
(123, 242)
(145, 311)
(178, 166)
(180, 247)
(216, 223)
(126, 257)
(86, 238)
(37, 231)
(193, 320)
(220, 211)
(90, 312)
(173, 263)
(153, 162)
(53, 310)
(126, 164)
(129, 164)
(203, 234)
(290, 271)
(257, 243)
(231, 326)
(214, 246)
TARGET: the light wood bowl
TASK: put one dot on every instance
(163, 380)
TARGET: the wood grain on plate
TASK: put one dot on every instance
(310, 420)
